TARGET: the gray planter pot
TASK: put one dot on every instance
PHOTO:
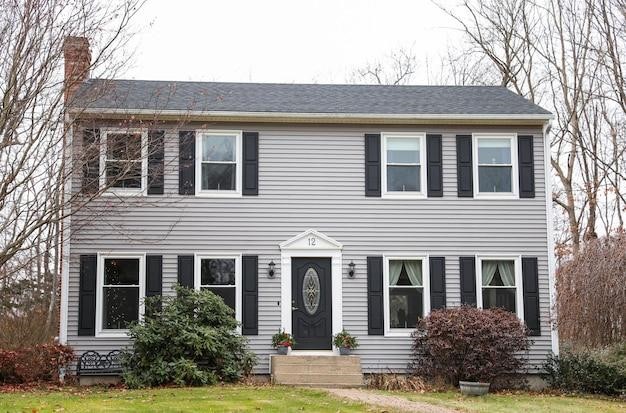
(282, 350)
(345, 351)
(472, 388)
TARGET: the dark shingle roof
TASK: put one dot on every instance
(303, 98)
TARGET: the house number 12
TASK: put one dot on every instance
(312, 242)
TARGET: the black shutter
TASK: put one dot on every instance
(467, 268)
(434, 161)
(250, 295)
(250, 163)
(465, 180)
(187, 163)
(375, 310)
(91, 161)
(185, 271)
(87, 296)
(526, 166)
(530, 281)
(154, 280)
(154, 275)
(437, 282)
(372, 164)
(156, 163)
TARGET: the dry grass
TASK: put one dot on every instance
(398, 382)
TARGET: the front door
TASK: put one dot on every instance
(311, 303)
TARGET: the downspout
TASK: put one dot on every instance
(554, 333)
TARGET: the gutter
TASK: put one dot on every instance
(304, 117)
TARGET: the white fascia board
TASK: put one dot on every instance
(330, 115)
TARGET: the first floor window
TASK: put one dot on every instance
(403, 164)
(406, 293)
(219, 161)
(218, 275)
(499, 286)
(123, 160)
(120, 292)
(495, 164)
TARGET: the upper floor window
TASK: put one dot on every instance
(220, 275)
(123, 161)
(120, 284)
(403, 165)
(500, 284)
(406, 293)
(219, 163)
(495, 166)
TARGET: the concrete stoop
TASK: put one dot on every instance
(317, 371)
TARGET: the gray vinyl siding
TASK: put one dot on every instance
(313, 177)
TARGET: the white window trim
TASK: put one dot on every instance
(405, 332)
(144, 162)
(212, 255)
(404, 194)
(514, 167)
(117, 333)
(519, 287)
(238, 169)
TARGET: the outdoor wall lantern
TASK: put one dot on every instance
(351, 271)
(270, 272)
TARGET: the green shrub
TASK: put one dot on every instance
(599, 372)
(190, 339)
(468, 343)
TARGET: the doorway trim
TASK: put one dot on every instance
(311, 243)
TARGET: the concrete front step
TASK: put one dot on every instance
(323, 371)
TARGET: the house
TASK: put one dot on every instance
(307, 207)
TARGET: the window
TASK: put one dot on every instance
(500, 284)
(219, 163)
(496, 164)
(404, 171)
(221, 276)
(120, 293)
(406, 294)
(124, 161)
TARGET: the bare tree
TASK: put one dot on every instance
(33, 134)
(397, 68)
(548, 51)
(592, 294)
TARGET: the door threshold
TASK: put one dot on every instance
(312, 353)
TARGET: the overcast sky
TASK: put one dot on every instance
(315, 41)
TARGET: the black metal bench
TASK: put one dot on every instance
(92, 363)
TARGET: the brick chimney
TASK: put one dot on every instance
(77, 63)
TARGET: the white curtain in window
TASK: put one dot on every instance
(489, 271)
(414, 271)
(395, 268)
(507, 272)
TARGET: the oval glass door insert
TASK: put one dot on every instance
(311, 291)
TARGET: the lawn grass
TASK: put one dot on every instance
(200, 399)
(518, 402)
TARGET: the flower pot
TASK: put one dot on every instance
(282, 350)
(344, 351)
(473, 388)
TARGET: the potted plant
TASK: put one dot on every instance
(281, 341)
(345, 342)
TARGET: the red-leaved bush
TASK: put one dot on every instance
(468, 343)
(40, 363)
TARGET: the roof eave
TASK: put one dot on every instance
(288, 117)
